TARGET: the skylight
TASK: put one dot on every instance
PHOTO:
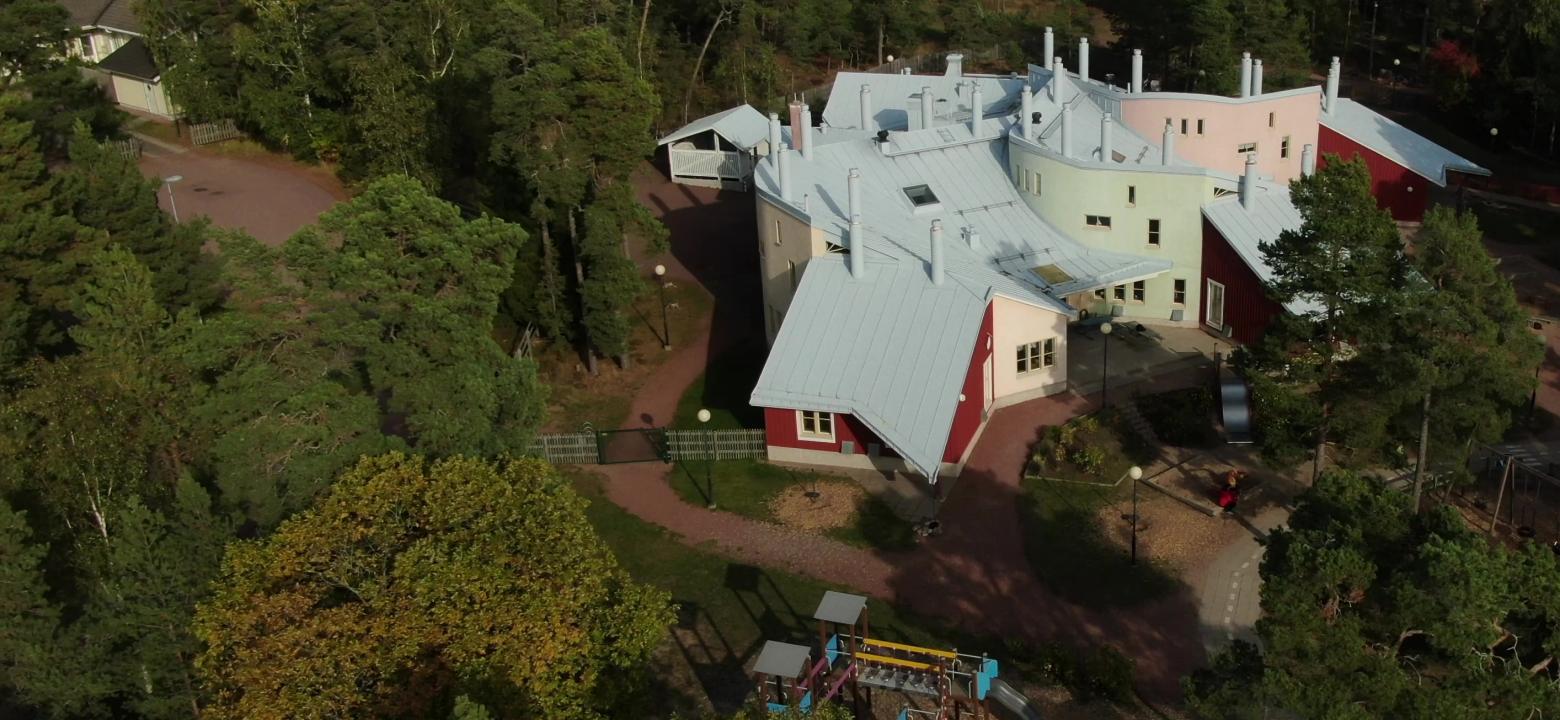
(1052, 274)
(921, 195)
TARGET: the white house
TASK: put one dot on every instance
(113, 39)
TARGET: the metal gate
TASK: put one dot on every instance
(636, 445)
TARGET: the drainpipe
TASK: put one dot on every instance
(1105, 130)
(1050, 47)
(1308, 160)
(1137, 72)
(1083, 59)
(866, 107)
(1167, 145)
(1256, 78)
(1245, 74)
(937, 252)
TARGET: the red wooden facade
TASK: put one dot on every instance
(1247, 308)
(1398, 190)
(968, 417)
(780, 430)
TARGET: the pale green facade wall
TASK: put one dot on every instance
(1067, 193)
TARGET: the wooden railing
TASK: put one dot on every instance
(710, 163)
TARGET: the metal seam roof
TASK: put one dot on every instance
(742, 126)
(1396, 143)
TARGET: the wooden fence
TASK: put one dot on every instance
(129, 148)
(566, 448)
(723, 444)
(584, 448)
(214, 132)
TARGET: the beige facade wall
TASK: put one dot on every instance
(140, 95)
(1013, 324)
(785, 243)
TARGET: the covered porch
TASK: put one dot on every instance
(719, 150)
(1135, 355)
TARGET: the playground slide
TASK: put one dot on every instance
(1013, 704)
(1236, 406)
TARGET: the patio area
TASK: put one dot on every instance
(1136, 356)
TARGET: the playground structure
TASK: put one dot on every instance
(848, 665)
(1524, 490)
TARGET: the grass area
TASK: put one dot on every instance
(724, 390)
(746, 487)
(1066, 546)
(1183, 418)
(163, 131)
(730, 607)
(1515, 224)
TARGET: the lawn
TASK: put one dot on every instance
(1183, 418)
(724, 390)
(1059, 511)
(727, 609)
(746, 487)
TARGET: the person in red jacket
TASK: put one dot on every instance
(1229, 495)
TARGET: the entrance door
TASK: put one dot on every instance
(1215, 315)
(990, 386)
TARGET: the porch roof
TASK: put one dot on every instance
(741, 126)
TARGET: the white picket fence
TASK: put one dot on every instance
(129, 148)
(711, 163)
(566, 448)
(213, 132)
(723, 444)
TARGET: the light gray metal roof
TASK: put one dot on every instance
(890, 349)
(891, 97)
(115, 14)
(838, 607)
(1397, 143)
(779, 659)
(741, 126)
(1245, 229)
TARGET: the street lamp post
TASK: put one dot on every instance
(1105, 329)
(1136, 473)
(1370, 65)
(666, 327)
(709, 462)
(168, 183)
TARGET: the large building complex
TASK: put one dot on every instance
(925, 247)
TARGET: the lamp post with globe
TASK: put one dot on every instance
(666, 327)
(1135, 473)
(1105, 329)
(709, 462)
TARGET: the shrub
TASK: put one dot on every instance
(1099, 673)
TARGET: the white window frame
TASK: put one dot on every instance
(1131, 196)
(1035, 356)
(1096, 222)
(819, 418)
(1119, 293)
(1199, 126)
(1156, 231)
(1036, 176)
(1208, 311)
(1283, 147)
(1139, 291)
(1178, 291)
(1245, 148)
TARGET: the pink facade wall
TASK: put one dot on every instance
(1229, 122)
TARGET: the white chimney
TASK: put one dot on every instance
(866, 107)
(1083, 59)
(955, 65)
(928, 103)
(1256, 78)
(853, 192)
(1050, 47)
(937, 253)
(785, 173)
(1106, 125)
(1245, 74)
(774, 140)
(972, 236)
(1026, 110)
(1058, 76)
(1331, 101)
(858, 248)
(807, 133)
(1137, 71)
(1167, 146)
(1248, 180)
(1308, 160)
(1066, 131)
(977, 112)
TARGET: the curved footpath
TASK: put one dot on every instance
(974, 576)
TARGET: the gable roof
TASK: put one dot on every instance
(1397, 143)
(891, 349)
(1246, 227)
(741, 126)
(132, 59)
(112, 14)
(891, 97)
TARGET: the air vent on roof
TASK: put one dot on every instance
(945, 135)
(921, 195)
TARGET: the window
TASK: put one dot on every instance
(1052, 274)
(1272, 119)
(791, 264)
(777, 232)
(817, 426)
(1131, 196)
(1153, 232)
(1215, 315)
(1037, 184)
(1178, 296)
(1099, 293)
(1139, 291)
(835, 248)
(1183, 126)
(1246, 148)
(1018, 172)
(1036, 355)
(1199, 126)
(1283, 147)
(921, 195)
(1120, 292)
(1097, 221)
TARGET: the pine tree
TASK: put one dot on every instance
(1266, 28)
(27, 618)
